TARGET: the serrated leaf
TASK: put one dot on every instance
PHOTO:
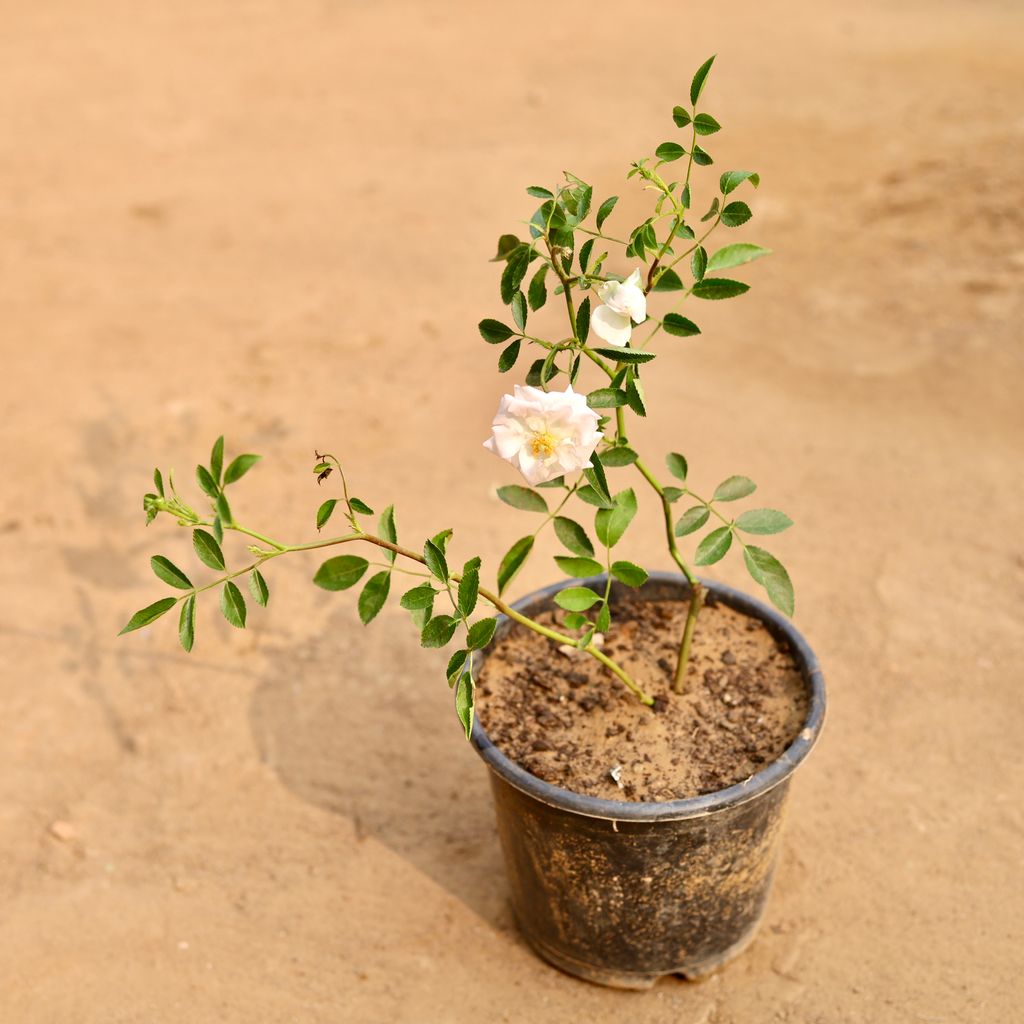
(635, 397)
(679, 326)
(734, 488)
(481, 633)
(699, 262)
(585, 250)
(579, 568)
(239, 466)
(697, 85)
(669, 151)
(149, 614)
(217, 458)
(538, 292)
(625, 355)
(258, 588)
(166, 570)
(438, 631)
(441, 539)
(508, 356)
(514, 272)
(611, 524)
(218, 530)
(671, 494)
(605, 209)
(705, 124)
(323, 513)
(763, 521)
(677, 465)
(575, 620)
(207, 549)
(736, 255)
(616, 458)
(232, 605)
(540, 192)
(506, 245)
(518, 307)
(714, 546)
(576, 599)
(606, 398)
(604, 618)
(206, 482)
(421, 596)
(513, 562)
(692, 520)
(341, 572)
(712, 210)
(388, 530)
(719, 288)
(436, 562)
(583, 320)
(187, 623)
(587, 494)
(681, 116)
(523, 498)
(374, 595)
(735, 214)
(220, 503)
(701, 157)
(573, 536)
(767, 570)
(455, 663)
(464, 698)
(494, 332)
(630, 574)
(360, 506)
(668, 281)
(469, 590)
(596, 476)
(731, 179)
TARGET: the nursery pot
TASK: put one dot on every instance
(621, 892)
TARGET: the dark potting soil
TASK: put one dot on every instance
(567, 720)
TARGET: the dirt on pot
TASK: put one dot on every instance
(565, 719)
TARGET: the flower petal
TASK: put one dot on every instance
(611, 326)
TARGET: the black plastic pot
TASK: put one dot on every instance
(622, 893)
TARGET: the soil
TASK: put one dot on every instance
(568, 721)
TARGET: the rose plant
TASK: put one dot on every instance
(564, 436)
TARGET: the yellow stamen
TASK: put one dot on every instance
(542, 446)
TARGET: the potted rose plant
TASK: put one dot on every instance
(641, 727)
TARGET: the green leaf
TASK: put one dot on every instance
(508, 356)
(514, 272)
(672, 494)
(341, 572)
(583, 320)
(436, 563)
(522, 498)
(625, 355)
(719, 288)
(595, 474)
(258, 588)
(206, 482)
(585, 250)
(388, 530)
(513, 562)
(494, 332)
(668, 281)
(170, 573)
(604, 210)
(697, 85)
(770, 573)
(669, 151)
(611, 524)
(681, 116)
(469, 588)
(705, 124)
(419, 597)
(324, 512)
(679, 326)
(207, 549)
(701, 157)
(239, 466)
(218, 529)
(441, 539)
(374, 595)
(735, 214)
(677, 465)
(635, 397)
(606, 398)
(217, 458)
(591, 497)
(579, 568)
(615, 458)
(733, 488)
(692, 520)
(576, 599)
(713, 546)
(630, 574)
(220, 503)
(232, 604)
(699, 262)
(519, 310)
(712, 210)
(763, 521)
(438, 631)
(735, 255)
(481, 633)
(158, 482)
(455, 663)
(360, 506)
(464, 702)
(187, 623)
(539, 192)
(149, 614)
(573, 536)
(732, 179)
(538, 293)
(506, 245)
(604, 619)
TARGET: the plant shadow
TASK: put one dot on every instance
(359, 722)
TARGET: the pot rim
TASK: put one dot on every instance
(691, 807)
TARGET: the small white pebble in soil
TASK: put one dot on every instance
(616, 774)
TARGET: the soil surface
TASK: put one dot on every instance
(272, 219)
(563, 718)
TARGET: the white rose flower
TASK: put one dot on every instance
(623, 301)
(544, 434)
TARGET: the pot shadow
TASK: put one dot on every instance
(359, 722)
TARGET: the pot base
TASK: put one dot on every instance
(638, 981)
